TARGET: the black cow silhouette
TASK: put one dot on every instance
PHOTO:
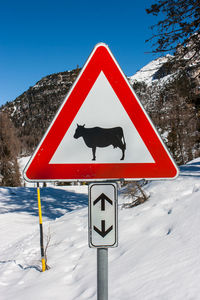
(101, 137)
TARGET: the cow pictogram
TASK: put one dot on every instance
(101, 137)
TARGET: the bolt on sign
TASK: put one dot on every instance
(101, 131)
(103, 215)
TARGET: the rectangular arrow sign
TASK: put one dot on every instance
(103, 215)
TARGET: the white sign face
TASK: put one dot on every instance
(103, 109)
(103, 215)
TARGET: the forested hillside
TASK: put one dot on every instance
(32, 111)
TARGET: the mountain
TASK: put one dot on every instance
(171, 98)
(152, 72)
(32, 112)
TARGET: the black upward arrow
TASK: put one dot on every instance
(103, 198)
(103, 232)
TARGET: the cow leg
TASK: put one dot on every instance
(122, 147)
(122, 154)
(94, 152)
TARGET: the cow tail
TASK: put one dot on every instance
(123, 140)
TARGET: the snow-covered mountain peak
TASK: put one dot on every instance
(148, 73)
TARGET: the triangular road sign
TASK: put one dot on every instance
(101, 131)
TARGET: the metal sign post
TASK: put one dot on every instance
(102, 274)
(103, 232)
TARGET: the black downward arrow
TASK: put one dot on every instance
(103, 198)
(103, 232)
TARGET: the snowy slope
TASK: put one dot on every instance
(157, 258)
(146, 74)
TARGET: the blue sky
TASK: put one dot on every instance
(38, 38)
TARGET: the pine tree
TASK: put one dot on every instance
(178, 30)
(9, 147)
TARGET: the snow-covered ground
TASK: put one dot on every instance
(158, 256)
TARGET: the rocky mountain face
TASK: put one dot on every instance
(170, 97)
(32, 112)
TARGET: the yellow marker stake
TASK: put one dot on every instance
(41, 230)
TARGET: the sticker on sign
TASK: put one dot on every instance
(103, 215)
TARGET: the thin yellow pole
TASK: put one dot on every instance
(41, 229)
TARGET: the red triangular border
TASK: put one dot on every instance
(39, 169)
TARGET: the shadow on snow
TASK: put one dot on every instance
(55, 202)
(190, 169)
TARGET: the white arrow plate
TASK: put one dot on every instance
(103, 215)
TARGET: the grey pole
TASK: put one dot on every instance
(102, 273)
